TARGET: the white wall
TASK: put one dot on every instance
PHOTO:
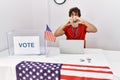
(14, 14)
(35, 14)
(105, 14)
(40, 13)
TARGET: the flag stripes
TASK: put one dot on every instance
(80, 78)
(49, 36)
(79, 72)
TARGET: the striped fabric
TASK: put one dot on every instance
(83, 72)
(28, 70)
(49, 36)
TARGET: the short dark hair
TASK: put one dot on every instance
(76, 10)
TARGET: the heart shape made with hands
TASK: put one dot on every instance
(74, 21)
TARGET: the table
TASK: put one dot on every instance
(8, 63)
(113, 58)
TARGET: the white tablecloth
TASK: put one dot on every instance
(8, 63)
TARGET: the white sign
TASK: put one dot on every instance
(26, 45)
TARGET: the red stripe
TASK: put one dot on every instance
(95, 71)
(64, 77)
(105, 67)
(50, 36)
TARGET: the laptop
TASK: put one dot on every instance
(71, 46)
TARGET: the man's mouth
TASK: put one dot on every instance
(74, 21)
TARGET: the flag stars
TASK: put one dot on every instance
(51, 64)
(48, 71)
(41, 77)
(53, 74)
(44, 63)
(57, 67)
(38, 67)
(31, 79)
(19, 68)
(41, 70)
(33, 70)
(53, 68)
(45, 74)
(49, 77)
(56, 72)
(24, 78)
(23, 65)
(34, 76)
(23, 71)
(30, 72)
(26, 63)
(54, 65)
(20, 74)
(37, 71)
(56, 78)
(37, 79)
(27, 75)
(26, 69)
(45, 67)
(42, 66)
(30, 66)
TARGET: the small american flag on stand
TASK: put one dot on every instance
(49, 36)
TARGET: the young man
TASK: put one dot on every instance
(75, 28)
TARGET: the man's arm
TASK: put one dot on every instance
(59, 31)
(90, 27)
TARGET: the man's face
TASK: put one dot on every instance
(74, 19)
(74, 14)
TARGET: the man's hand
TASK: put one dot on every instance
(74, 21)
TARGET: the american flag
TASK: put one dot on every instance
(29, 70)
(49, 35)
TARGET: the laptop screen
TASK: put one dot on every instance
(71, 46)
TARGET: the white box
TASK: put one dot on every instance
(26, 42)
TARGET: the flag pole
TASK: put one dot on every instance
(46, 50)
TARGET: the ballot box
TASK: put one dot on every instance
(26, 42)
